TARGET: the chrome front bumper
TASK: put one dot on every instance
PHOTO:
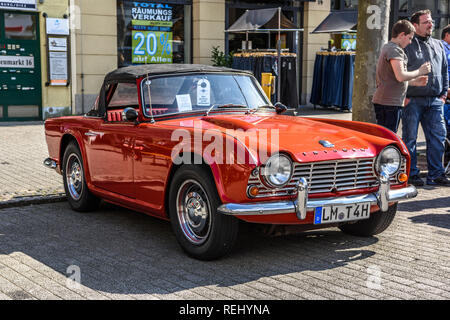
(301, 205)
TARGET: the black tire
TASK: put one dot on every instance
(377, 223)
(78, 195)
(201, 231)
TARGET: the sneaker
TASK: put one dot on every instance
(416, 181)
(439, 181)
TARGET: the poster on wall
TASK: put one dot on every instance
(152, 33)
(57, 44)
(58, 68)
(29, 5)
(57, 26)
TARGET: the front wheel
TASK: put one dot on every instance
(377, 223)
(202, 232)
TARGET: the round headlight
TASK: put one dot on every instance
(389, 161)
(278, 170)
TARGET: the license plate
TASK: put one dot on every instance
(342, 213)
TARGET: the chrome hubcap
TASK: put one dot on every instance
(193, 212)
(74, 176)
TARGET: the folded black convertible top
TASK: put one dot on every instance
(134, 72)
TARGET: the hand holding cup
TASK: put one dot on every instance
(425, 68)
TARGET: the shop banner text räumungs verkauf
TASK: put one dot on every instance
(152, 32)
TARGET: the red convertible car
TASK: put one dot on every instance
(203, 147)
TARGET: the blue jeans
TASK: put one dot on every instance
(429, 112)
(388, 116)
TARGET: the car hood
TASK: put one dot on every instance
(305, 139)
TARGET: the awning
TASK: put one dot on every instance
(336, 22)
(254, 20)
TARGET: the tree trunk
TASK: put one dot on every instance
(373, 24)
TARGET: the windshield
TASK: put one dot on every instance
(199, 92)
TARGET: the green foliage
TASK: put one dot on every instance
(221, 59)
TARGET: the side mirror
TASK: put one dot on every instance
(280, 108)
(130, 114)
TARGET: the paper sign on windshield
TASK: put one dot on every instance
(184, 102)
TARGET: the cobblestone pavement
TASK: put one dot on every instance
(22, 151)
(126, 255)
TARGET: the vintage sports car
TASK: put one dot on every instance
(203, 147)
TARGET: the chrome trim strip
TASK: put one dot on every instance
(283, 207)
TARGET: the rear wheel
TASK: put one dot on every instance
(77, 192)
(202, 232)
(377, 223)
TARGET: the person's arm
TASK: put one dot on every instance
(402, 75)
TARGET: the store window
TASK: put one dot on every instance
(403, 9)
(350, 4)
(20, 26)
(403, 6)
(439, 12)
(236, 41)
(344, 5)
(423, 4)
(153, 32)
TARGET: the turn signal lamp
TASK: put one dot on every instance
(253, 191)
(402, 177)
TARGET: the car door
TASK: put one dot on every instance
(111, 145)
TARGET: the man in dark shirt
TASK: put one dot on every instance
(425, 104)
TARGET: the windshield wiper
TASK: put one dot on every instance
(227, 105)
(267, 106)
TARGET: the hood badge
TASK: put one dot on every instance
(326, 144)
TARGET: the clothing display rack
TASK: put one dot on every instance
(333, 79)
(268, 21)
(261, 61)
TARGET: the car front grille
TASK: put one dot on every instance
(328, 176)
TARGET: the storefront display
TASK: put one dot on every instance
(20, 66)
(236, 41)
(333, 79)
(152, 32)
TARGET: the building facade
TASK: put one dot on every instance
(54, 53)
(34, 81)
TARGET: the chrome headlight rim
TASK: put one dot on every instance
(265, 177)
(378, 163)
